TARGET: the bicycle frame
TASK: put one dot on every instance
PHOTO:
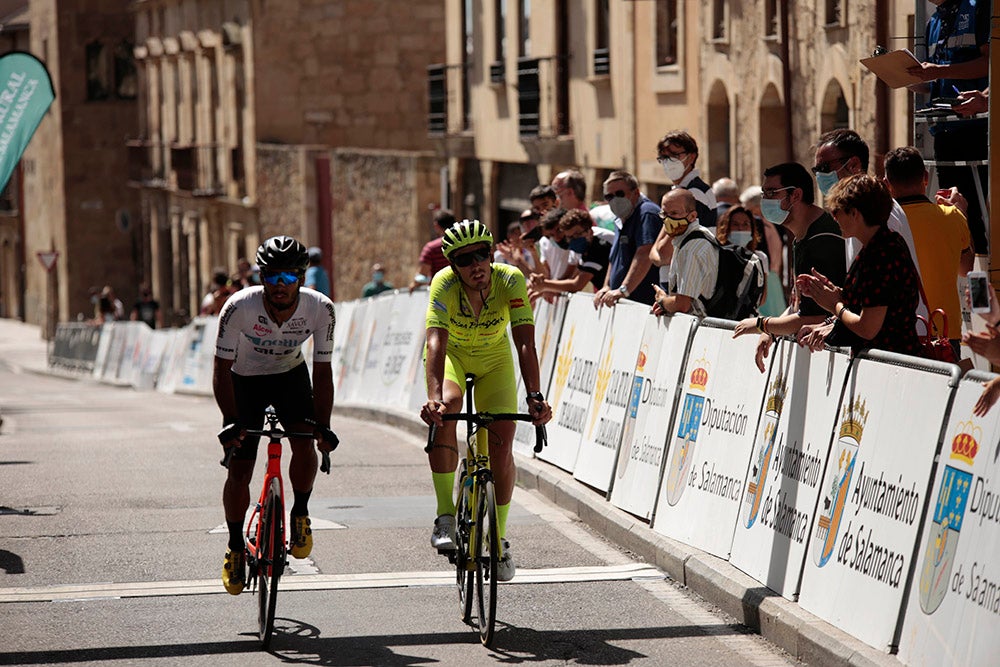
(273, 471)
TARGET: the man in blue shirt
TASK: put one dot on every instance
(316, 277)
(630, 273)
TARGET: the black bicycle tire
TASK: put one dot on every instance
(464, 580)
(267, 582)
(487, 551)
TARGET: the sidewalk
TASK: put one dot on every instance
(22, 348)
(781, 622)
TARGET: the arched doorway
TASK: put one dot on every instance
(834, 113)
(773, 149)
(719, 139)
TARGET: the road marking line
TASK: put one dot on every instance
(315, 524)
(318, 582)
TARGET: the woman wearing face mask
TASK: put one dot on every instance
(739, 227)
(876, 306)
(593, 244)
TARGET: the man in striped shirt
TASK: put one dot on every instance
(695, 265)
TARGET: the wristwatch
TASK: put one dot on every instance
(536, 396)
(623, 290)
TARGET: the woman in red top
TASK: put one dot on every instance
(876, 308)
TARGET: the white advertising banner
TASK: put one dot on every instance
(199, 358)
(595, 464)
(380, 309)
(344, 312)
(783, 482)
(953, 614)
(395, 349)
(548, 325)
(658, 367)
(359, 336)
(712, 439)
(574, 378)
(872, 496)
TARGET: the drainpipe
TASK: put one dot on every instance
(882, 117)
(786, 79)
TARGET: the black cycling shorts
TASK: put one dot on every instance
(290, 393)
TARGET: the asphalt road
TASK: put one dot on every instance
(111, 544)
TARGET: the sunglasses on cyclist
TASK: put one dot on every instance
(286, 277)
(469, 258)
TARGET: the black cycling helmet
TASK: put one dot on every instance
(282, 253)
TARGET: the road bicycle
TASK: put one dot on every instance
(478, 548)
(266, 542)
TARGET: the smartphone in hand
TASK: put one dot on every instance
(979, 291)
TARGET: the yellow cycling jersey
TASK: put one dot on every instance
(507, 302)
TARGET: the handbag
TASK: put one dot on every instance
(935, 342)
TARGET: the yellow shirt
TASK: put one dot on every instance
(940, 234)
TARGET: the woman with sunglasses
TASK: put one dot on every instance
(471, 303)
(258, 362)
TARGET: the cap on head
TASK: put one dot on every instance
(463, 234)
(315, 254)
(280, 253)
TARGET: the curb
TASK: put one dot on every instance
(780, 621)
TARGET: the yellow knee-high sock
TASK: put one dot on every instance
(444, 489)
(502, 520)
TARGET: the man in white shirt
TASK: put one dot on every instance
(694, 269)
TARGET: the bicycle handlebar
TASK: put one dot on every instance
(487, 418)
(275, 433)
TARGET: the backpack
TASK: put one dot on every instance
(740, 283)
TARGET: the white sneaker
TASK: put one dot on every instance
(505, 568)
(443, 537)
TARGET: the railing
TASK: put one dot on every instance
(498, 72)
(602, 62)
(437, 99)
(529, 96)
(145, 163)
(196, 170)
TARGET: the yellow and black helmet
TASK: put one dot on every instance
(463, 234)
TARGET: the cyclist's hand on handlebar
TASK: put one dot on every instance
(540, 410)
(326, 439)
(431, 413)
(231, 435)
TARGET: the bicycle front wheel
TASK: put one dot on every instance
(463, 562)
(270, 562)
(487, 556)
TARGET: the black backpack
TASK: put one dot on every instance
(740, 283)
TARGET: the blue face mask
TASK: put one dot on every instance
(826, 180)
(772, 211)
(378, 276)
(579, 245)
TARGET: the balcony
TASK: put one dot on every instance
(498, 72)
(145, 164)
(602, 62)
(543, 109)
(448, 114)
(196, 170)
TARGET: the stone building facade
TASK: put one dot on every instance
(253, 117)
(73, 198)
(529, 88)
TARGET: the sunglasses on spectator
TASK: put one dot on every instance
(826, 167)
(469, 258)
(611, 195)
(678, 156)
(773, 193)
(286, 277)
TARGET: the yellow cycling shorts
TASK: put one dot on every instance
(495, 386)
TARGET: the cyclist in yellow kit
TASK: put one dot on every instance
(471, 303)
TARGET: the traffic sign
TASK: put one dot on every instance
(48, 258)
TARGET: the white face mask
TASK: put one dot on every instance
(673, 169)
(740, 237)
(621, 207)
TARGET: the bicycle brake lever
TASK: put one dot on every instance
(325, 465)
(227, 457)
(541, 438)
(430, 438)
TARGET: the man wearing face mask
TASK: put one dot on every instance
(631, 272)
(842, 153)
(788, 197)
(695, 266)
(378, 283)
(593, 244)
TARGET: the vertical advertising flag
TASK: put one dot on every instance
(25, 95)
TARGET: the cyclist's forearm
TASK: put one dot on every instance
(222, 387)
(524, 343)
(437, 345)
(322, 392)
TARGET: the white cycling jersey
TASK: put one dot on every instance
(261, 347)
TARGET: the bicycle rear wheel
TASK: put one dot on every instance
(270, 562)
(463, 524)
(487, 556)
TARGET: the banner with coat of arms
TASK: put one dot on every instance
(953, 614)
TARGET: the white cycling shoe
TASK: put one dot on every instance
(505, 568)
(443, 537)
